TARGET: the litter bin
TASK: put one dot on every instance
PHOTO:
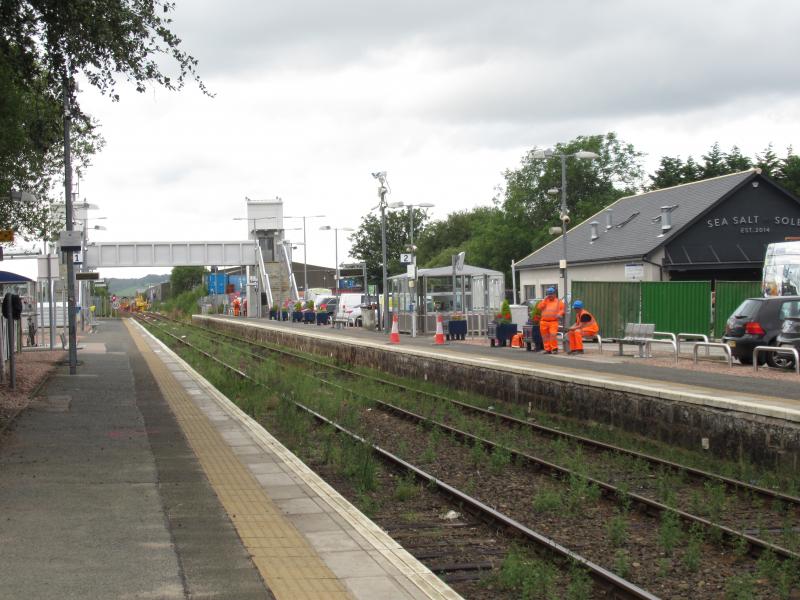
(369, 318)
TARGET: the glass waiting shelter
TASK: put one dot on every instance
(475, 292)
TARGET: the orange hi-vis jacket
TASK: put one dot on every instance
(586, 323)
(552, 309)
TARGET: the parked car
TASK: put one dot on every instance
(758, 322)
(790, 331)
(350, 306)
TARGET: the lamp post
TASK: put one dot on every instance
(383, 189)
(305, 250)
(336, 231)
(564, 213)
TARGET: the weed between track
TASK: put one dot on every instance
(355, 463)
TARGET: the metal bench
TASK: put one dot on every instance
(636, 334)
(339, 321)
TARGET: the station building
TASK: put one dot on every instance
(715, 229)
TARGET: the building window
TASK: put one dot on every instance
(530, 292)
(549, 285)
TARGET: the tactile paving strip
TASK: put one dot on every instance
(286, 561)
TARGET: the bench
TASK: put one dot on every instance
(636, 334)
(340, 321)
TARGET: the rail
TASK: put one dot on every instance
(708, 345)
(619, 587)
(777, 350)
(685, 337)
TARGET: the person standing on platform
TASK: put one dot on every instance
(585, 327)
(536, 321)
(552, 312)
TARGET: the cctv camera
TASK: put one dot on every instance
(565, 217)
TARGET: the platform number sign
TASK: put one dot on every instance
(406, 259)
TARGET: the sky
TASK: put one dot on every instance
(311, 97)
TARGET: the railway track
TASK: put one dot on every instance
(740, 510)
(611, 493)
(608, 584)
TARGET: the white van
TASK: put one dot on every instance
(350, 307)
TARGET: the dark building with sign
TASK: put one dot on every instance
(715, 229)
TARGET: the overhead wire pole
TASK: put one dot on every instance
(73, 342)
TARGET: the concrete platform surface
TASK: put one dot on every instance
(137, 479)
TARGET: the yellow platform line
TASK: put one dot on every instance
(286, 561)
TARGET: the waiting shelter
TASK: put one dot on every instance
(475, 292)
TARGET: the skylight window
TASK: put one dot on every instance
(628, 220)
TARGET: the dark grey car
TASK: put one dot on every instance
(758, 322)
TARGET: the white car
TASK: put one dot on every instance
(350, 307)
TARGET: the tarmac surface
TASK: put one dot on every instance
(135, 478)
(101, 497)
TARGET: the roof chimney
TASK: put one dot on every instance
(594, 225)
(609, 218)
(666, 218)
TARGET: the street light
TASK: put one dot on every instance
(564, 216)
(336, 231)
(305, 265)
(411, 208)
(383, 189)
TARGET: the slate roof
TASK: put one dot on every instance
(636, 235)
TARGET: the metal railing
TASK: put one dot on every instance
(264, 277)
(658, 341)
(685, 337)
(708, 345)
(777, 350)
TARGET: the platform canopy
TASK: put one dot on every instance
(7, 277)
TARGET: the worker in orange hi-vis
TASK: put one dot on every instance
(585, 326)
(552, 311)
(236, 306)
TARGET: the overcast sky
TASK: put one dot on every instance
(312, 96)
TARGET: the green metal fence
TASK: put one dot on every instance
(612, 303)
(728, 295)
(677, 306)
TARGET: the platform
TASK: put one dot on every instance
(136, 478)
(778, 398)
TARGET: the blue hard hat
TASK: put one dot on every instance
(551, 290)
(577, 305)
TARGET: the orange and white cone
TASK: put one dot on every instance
(438, 339)
(394, 337)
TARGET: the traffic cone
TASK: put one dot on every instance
(394, 337)
(438, 339)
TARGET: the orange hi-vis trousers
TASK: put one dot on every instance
(549, 331)
(576, 336)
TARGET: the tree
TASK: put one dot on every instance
(43, 44)
(714, 163)
(790, 173)
(528, 210)
(769, 163)
(736, 161)
(671, 171)
(367, 241)
(184, 279)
